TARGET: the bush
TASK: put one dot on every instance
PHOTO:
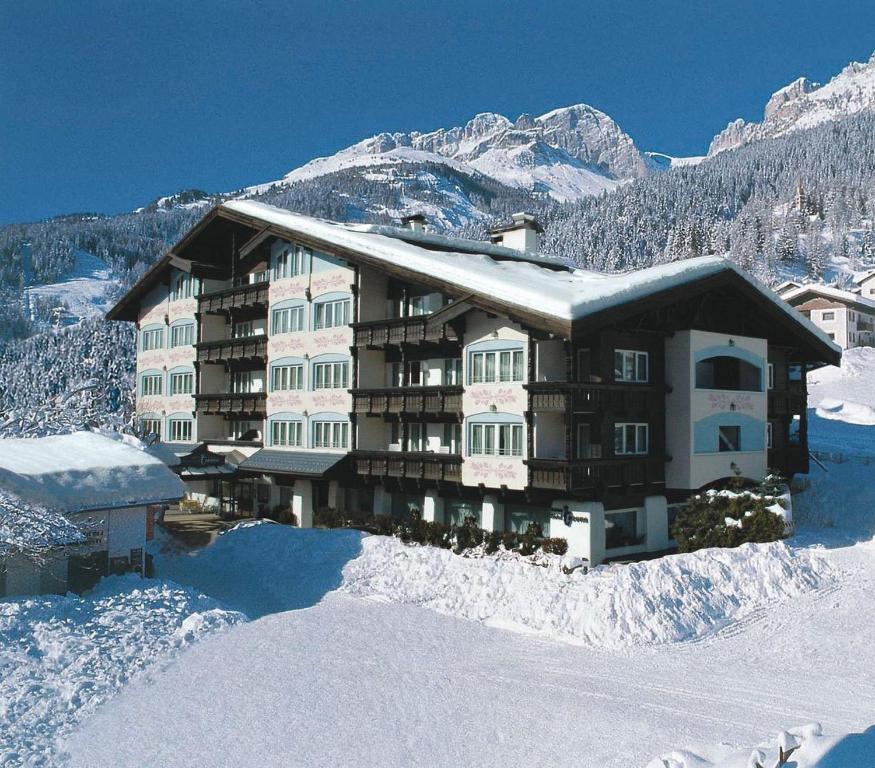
(728, 518)
(554, 546)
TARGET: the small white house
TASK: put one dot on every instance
(76, 507)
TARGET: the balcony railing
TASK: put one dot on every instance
(405, 330)
(415, 466)
(577, 475)
(590, 398)
(413, 401)
(247, 348)
(232, 403)
(252, 295)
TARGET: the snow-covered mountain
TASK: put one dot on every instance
(805, 104)
(567, 153)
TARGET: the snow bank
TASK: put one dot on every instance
(668, 600)
(262, 567)
(842, 410)
(807, 747)
(60, 657)
(845, 392)
(673, 599)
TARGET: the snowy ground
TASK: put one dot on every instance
(361, 651)
(84, 290)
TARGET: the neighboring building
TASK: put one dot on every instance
(847, 318)
(389, 368)
(74, 508)
(865, 284)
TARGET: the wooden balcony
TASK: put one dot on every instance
(583, 397)
(786, 402)
(248, 404)
(239, 297)
(580, 475)
(253, 348)
(377, 334)
(420, 402)
(415, 466)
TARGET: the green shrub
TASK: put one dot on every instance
(703, 520)
(493, 541)
(528, 544)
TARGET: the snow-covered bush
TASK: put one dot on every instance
(731, 516)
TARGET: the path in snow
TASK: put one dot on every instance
(353, 681)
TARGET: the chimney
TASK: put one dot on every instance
(415, 221)
(521, 234)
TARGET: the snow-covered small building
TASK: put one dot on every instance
(864, 284)
(76, 507)
(847, 318)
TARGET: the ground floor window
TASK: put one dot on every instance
(525, 519)
(458, 511)
(621, 529)
(152, 427)
(673, 512)
(404, 506)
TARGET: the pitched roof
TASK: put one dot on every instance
(547, 292)
(827, 291)
(303, 463)
(85, 471)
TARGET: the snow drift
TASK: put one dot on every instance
(673, 599)
(61, 657)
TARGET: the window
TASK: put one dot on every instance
(452, 371)
(852, 315)
(631, 439)
(242, 330)
(631, 365)
(290, 262)
(496, 440)
(181, 383)
(584, 364)
(287, 320)
(184, 287)
(330, 375)
(771, 370)
(286, 433)
(331, 434)
(501, 365)
(452, 438)
(794, 372)
(673, 512)
(828, 316)
(242, 382)
(180, 430)
(414, 373)
(258, 277)
(151, 427)
(244, 430)
(182, 335)
(586, 448)
(153, 339)
(416, 306)
(769, 435)
(331, 314)
(621, 529)
(284, 377)
(728, 373)
(417, 437)
(729, 439)
(151, 384)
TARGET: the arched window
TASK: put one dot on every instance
(725, 372)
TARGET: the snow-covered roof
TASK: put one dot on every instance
(571, 294)
(829, 291)
(862, 277)
(30, 527)
(85, 471)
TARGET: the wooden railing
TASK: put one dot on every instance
(416, 466)
(230, 403)
(590, 398)
(405, 330)
(253, 295)
(398, 401)
(591, 474)
(247, 348)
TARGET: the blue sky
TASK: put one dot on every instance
(107, 105)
